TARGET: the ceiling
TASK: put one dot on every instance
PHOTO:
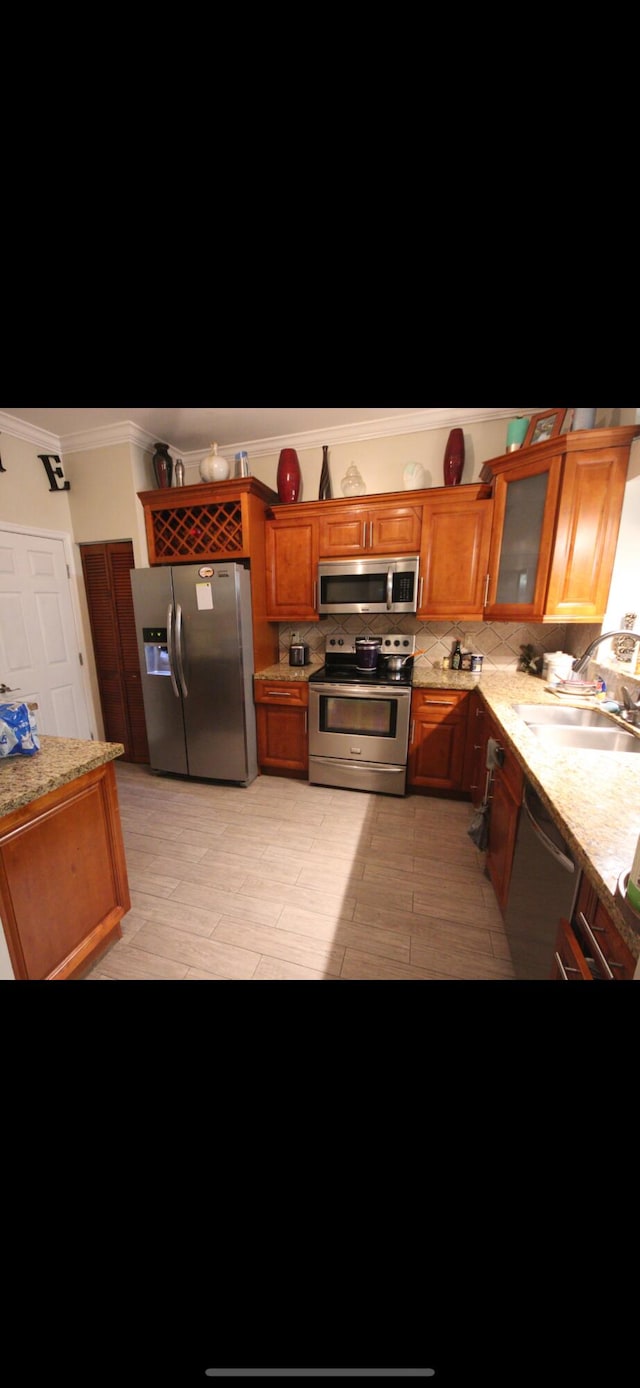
(196, 428)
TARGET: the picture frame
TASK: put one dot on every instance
(544, 426)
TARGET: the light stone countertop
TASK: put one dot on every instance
(594, 797)
(60, 759)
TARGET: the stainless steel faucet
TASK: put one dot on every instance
(582, 660)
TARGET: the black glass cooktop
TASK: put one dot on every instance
(349, 674)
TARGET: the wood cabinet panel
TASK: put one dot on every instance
(291, 558)
(562, 572)
(598, 936)
(369, 529)
(63, 877)
(454, 554)
(282, 725)
(437, 739)
(587, 529)
(569, 963)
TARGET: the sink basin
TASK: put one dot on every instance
(563, 717)
(587, 728)
(594, 739)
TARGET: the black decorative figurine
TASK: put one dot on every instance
(325, 481)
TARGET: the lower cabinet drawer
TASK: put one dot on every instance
(569, 962)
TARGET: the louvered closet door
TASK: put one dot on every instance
(106, 568)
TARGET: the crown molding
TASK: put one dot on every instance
(414, 422)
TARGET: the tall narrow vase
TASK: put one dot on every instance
(289, 477)
(454, 458)
(162, 465)
(325, 480)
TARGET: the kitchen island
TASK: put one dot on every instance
(593, 796)
(63, 875)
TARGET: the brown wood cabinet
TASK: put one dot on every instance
(505, 797)
(106, 570)
(556, 517)
(213, 522)
(291, 556)
(437, 739)
(454, 552)
(603, 949)
(474, 779)
(282, 726)
(218, 520)
(369, 528)
(63, 877)
(569, 962)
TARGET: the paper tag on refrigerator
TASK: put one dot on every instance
(204, 596)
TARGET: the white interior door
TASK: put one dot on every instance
(39, 645)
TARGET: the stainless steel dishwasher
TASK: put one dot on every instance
(544, 881)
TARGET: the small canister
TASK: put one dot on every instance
(476, 662)
(242, 464)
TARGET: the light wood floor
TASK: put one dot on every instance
(283, 880)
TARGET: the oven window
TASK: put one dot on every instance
(349, 714)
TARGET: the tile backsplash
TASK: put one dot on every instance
(498, 642)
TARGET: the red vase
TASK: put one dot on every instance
(454, 458)
(289, 476)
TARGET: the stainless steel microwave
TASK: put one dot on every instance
(370, 585)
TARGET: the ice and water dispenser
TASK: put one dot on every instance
(156, 653)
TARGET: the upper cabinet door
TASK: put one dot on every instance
(556, 517)
(291, 555)
(524, 511)
(369, 529)
(593, 485)
(454, 555)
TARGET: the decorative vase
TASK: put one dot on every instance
(325, 481)
(289, 477)
(179, 479)
(214, 468)
(454, 458)
(516, 432)
(583, 419)
(352, 483)
(413, 476)
(162, 465)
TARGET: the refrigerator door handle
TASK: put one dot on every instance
(183, 682)
(170, 649)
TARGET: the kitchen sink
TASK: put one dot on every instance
(589, 739)
(565, 717)
(587, 728)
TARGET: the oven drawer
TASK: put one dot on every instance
(346, 775)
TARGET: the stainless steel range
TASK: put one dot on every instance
(359, 718)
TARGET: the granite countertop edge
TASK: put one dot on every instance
(593, 797)
(59, 760)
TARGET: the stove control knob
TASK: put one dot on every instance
(396, 643)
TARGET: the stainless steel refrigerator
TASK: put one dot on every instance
(195, 646)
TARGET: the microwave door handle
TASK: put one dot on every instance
(389, 588)
(179, 661)
(170, 649)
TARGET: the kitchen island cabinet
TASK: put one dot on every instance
(63, 875)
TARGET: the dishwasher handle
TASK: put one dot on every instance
(560, 857)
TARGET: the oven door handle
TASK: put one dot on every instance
(362, 691)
